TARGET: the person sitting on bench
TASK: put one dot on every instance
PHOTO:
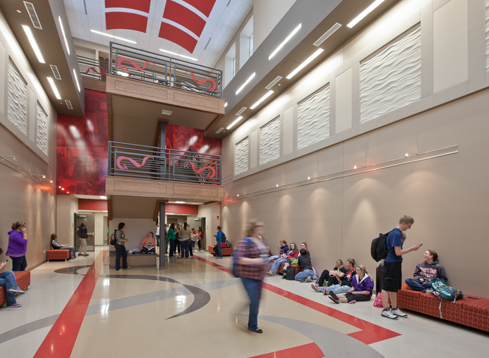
(426, 271)
(148, 244)
(57, 246)
(7, 280)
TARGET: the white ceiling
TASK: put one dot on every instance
(221, 25)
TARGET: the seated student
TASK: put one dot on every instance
(57, 246)
(345, 284)
(426, 271)
(283, 251)
(335, 275)
(306, 273)
(216, 250)
(292, 254)
(361, 288)
(7, 280)
(148, 244)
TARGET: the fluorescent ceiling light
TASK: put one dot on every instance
(269, 93)
(179, 202)
(53, 86)
(33, 43)
(247, 81)
(305, 63)
(364, 13)
(115, 37)
(285, 41)
(64, 35)
(236, 121)
(76, 79)
(177, 54)
(225, 105)
(103, 197)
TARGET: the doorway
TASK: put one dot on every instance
(90, 230)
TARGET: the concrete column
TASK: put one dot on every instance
(162, 236)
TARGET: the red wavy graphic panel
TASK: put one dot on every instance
(141, 5)
(125, 21)
(175, 35)
(204, 6)
(183, 16)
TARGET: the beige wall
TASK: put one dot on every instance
(67, 206)
(210, 212)
(135, 230)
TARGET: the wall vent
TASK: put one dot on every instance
(166, 112)
(241, 111)
(274, 82)
(327, 34)
(219, 130)
(31, 10)
(55, 72)
(68, 104)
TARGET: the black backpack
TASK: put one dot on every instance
(290, 273)
(379, 249)
(223, 237)
(113, 240)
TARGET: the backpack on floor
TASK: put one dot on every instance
(113, 240)
(235, 257)
(378, 248)
(228, 243)
(444, 291)
(290, 273)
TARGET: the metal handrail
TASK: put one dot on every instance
(134, 160)
(92, 68)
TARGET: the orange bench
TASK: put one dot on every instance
(57, 255)
(23, 279)
(226, 251)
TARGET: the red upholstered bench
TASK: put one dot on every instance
(23, 279)
(470, 311)
(226, 251)
(57, 255)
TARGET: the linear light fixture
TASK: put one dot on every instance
(76, 79)
(177, 54)
(285, 41)
(327, 34)
(305, 63)
(244, 84)
(32, 40)
(64, 35)
(269, 93)
(364, 13)
(225, 105)
(235, 121)
(53, 86)
(115, 37)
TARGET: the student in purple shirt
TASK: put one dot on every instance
(17, 246)
(361, 288)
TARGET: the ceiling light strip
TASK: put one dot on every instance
(285, 41)
(236, 121)
(273, 83)
(364, 13)
(269, 93)
(327, 34)
(64, 34)
(76, 79)
(32, 41)
(244, 84)
(115, 37)
(305, 63)
(177, 54)
(240, 112)
(53, 86)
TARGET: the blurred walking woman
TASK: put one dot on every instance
(17, 246)
(251, 267)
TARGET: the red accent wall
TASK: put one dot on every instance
(92, 205)
(182, 138)
(182, 209)
(82, 145)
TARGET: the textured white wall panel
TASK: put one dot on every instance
(2, 77)
(288, 131)
(344, 101)
(391, 78)
(270, 141)
(313, 118)
(41, 129)
(241, 156)
(487, 35)
(17, 98)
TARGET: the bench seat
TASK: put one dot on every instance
(23, 279)
(59, 254)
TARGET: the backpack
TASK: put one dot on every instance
(113, 240)
(228, 243)
(223, 237)
(379, 249)
(235, 257)
(290, 273)
(444, 291)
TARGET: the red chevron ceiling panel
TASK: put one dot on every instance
(126, 21)
(204, 6)
(185, 17)
(175, 35)
(141, 5)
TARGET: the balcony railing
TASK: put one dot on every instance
(140, 161)
(164, 70)
(91, 68)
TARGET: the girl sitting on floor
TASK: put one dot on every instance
(361, 288)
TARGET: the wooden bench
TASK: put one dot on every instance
(60, 254)
(23, 279)
(226, 251)
(470, 311)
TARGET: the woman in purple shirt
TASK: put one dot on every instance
(361, 288)
(17, 246)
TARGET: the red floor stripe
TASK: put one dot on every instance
(370, 333)
(310, 350)
(61, 338)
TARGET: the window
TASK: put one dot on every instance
(251, 45)
(234, 67)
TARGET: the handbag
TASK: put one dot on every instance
(378, 300)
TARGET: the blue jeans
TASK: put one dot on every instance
(19, 263)
(219, 248)
(276, 264)
(416, 285)
(7, 280)
(336, 289)
(304, 274)
(120, 252)
(184, 249)
(253, 289)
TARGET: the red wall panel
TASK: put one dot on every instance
(181, 209)
(186, 138)
(92, 205)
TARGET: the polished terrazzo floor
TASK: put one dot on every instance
(196, 308)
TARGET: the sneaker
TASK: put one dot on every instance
(16, 290)
(353, 301)
(15, 305)
(308, 279)
(399, 313)
(269, 273)
(325, 291)
(334, 300)
(387, 313)
(332, 294)
(428, 291)
(315, 287)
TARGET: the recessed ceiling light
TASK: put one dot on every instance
(179, 202)
(284, 42)
(364, 13)
(20, 12)
(32, 41)
(236, 121)
(115, 37)
(305, 63)
(269, 93)
(53, 86)
(327, 34)
(225, 105)
(103, 197)
(177, 54)
(64, 35)
(76, 79)
(247, 81)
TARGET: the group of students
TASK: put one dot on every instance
(182, 239)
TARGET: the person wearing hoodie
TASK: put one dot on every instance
(17, 246)
(361, 288)
(426, 271)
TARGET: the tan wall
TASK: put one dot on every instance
(67, 206)
(135, 230)
(210, 213)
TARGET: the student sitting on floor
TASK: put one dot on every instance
(306, 273)
(148, 244)
(334, 276)
(361, 288)
(345, 284)
(426, 271)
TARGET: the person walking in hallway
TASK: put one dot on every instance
(172, 239)
(83, 236)
(185, 240)
(218, 237)
(17, 246)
